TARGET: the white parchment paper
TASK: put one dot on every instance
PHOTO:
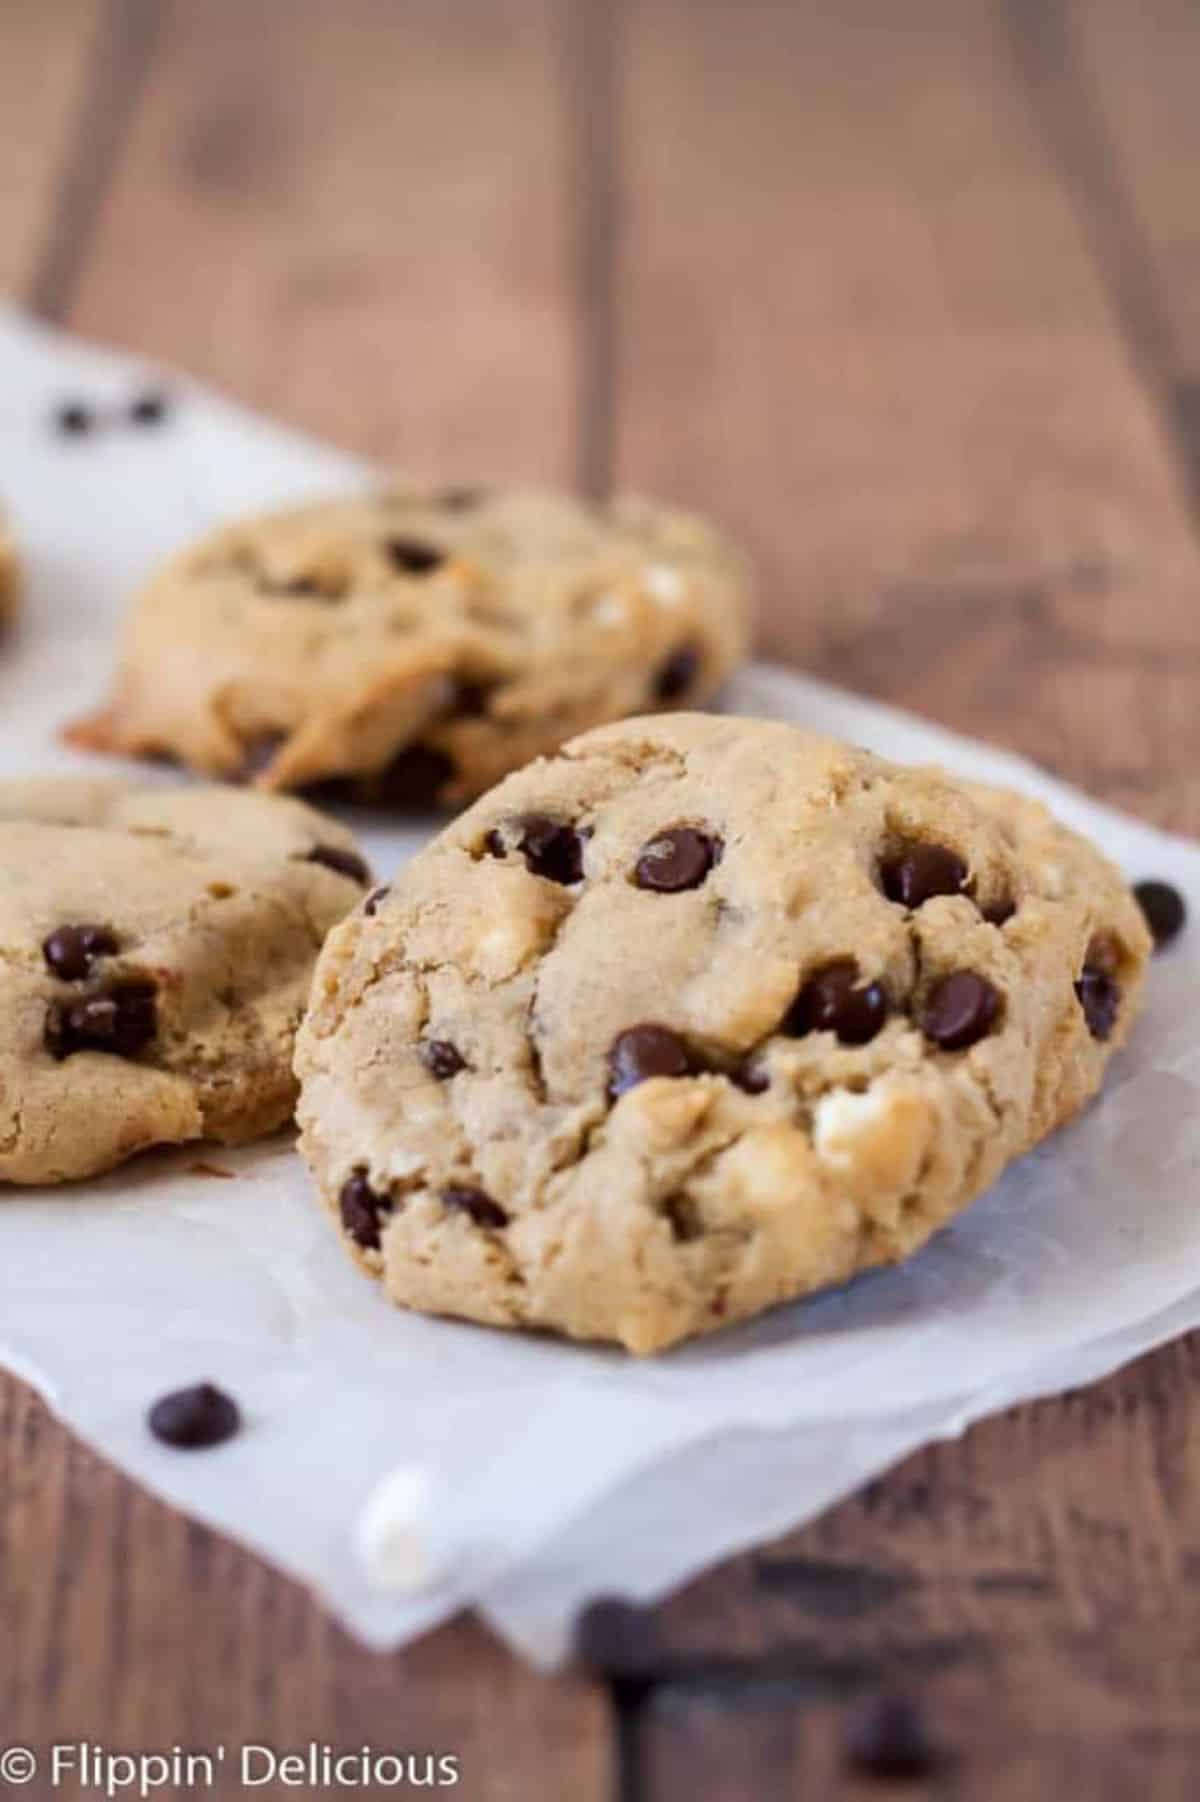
(560, 1472)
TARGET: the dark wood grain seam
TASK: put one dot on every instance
(122, 56)
(1072, 126)
(592, 53)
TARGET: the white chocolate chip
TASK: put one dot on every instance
(665, 584)
(394, 1532)
(841, 1119)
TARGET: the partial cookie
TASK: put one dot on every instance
(413, 647)
(156, 947)
(701, 1015)
(10, 574)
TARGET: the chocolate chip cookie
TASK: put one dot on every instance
(156, 948)
(698, 1016)
(411, 647)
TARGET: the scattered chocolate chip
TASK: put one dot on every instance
(615, 1638)
(150, 408)
(474, 1203)
(461, 500)
(442, 1059)
(469, 700)
(887, 1737)
(73, 419)
(677, 674)
(642, 1052)
(192, 1419)
(684, 1217)
(120, 1022)
(71, 951)
(676, 860)
(959, 1010)
(414, 778)
(413, 557)
(833, 1001)
(493, 843)
(1100, 998)
(343, 863)
(361, 1209)
(998, 912)
(257, 753)
(551, 849)
(371, 904)
(922, 871)
(1164, 908)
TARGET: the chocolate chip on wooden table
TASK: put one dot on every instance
(921, 871)
(441, 1058)
(150, 408)
(677, 859)
(194, 1419)
(1099, 996)
(833, 1000)
(70, 951)
(371, 904)
(414, 557)
(959, 1010)
(1164, 909)
(479, 1207)
(887, 1737)
(121, 1022)
(362, 1209)
(645, 1051)
(678, 672)
(343, 863)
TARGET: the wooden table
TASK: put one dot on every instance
(908, 292)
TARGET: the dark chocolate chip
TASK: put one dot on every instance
(1100, 998)
(676, 675)
(675, 860)
(751, 1078)
(361, 1210)
(684, 1218)
(645, 1051)
(414, 778)
(73, 419)
(833, 1001)
(371, 904)
(615, 1638)
(887, 1737)
(998, 912)
(442, 1059)
(343, 863)
(257, 753)
(469, 700)
(551, 849)
(922, 871)
(413, 557)
(71, 951)
(120, 1022)
(959, 1010)
(150, 408)
(192, 1419)
(461, 500)
(1164, 908)
(473, 1202)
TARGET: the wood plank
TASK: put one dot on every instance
(360, 218)
(44, 67)
(858, 316)
(1139, 66)
(127, 1625)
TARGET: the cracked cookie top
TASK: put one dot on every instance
(413, 646)
(156, 947)
(697, 1016)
